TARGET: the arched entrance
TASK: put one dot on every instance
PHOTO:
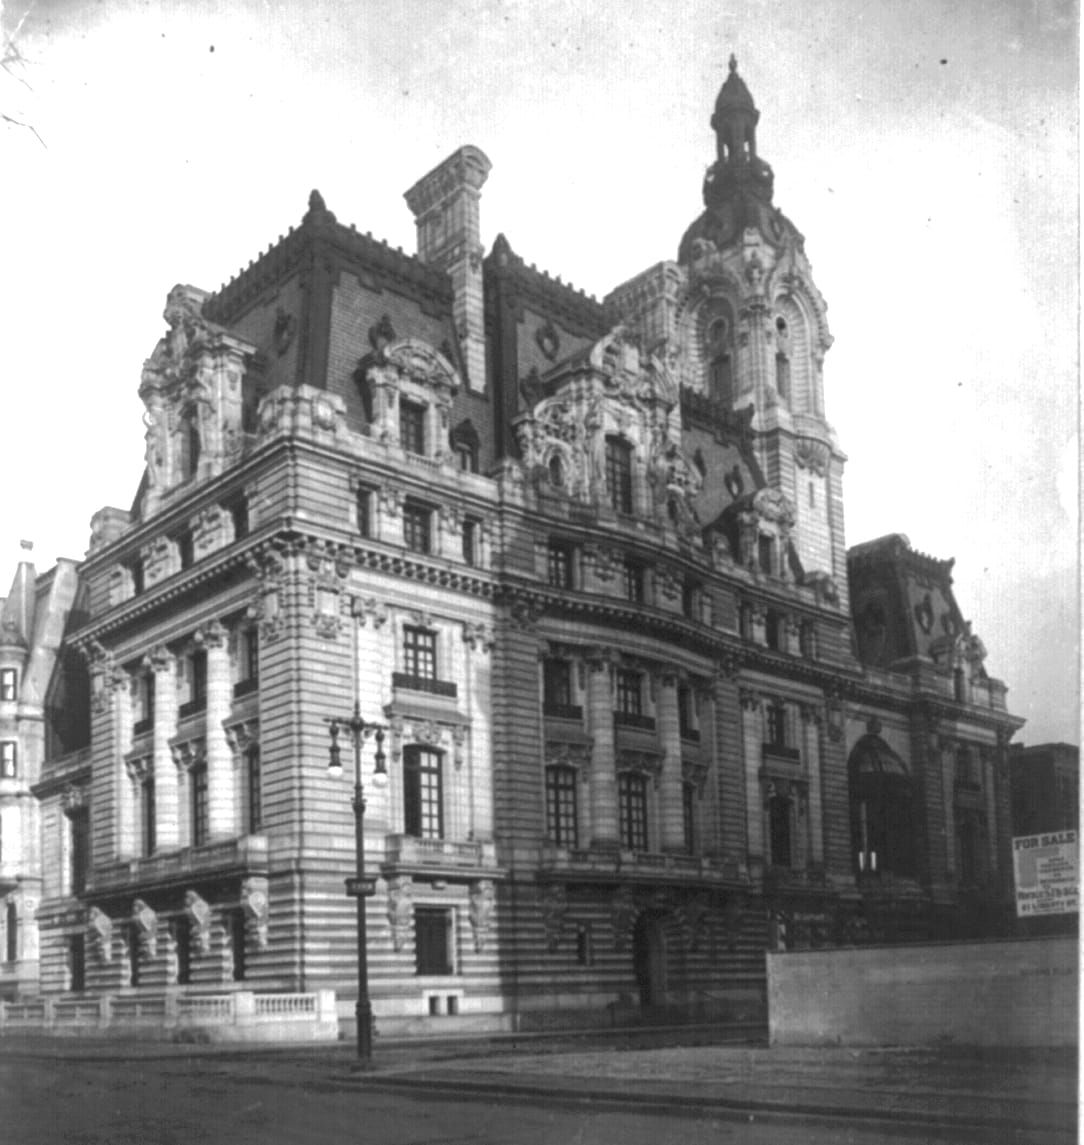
(649, 958)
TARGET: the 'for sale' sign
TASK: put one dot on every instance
(1047, 874)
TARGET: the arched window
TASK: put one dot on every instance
(882, 809)
(718, 347)
(423, 793)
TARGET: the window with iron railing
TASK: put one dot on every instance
(632, 810)
(423, 793)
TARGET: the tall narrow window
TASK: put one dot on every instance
(686, 713)
(776, 716)
(198, 779)
(470, 541)
(182, 945)
(773, 630)
(411, 426)
(77, 962)
(619, 473)
(8, 759)
(467, 455)
(135, 572)
(8, 683)
(197, 684)
(238, 510)
(363, 511)
(688, 816)
(560, 564)
(433, 941)
(561, 805)
(237, 945)
(186, 549)
(416, 527)
(133, 955)
(782, 377)
(632, 810)
(690, 599)
(420, 653)
(766, 554)
(634, 581)
(779, 815)
(255, 790)
(191, 445)
(147, 811)
(79, 826)
(720, 365)
(144, 720)
(248, 662)
(423, 793)
(11, 925)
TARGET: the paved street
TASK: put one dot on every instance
(109, 1094)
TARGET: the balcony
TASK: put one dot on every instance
(634, 720)
(246, 687)
(440, 858)
(425, 684)
(562, 711)
(246, 854)
(643, 866)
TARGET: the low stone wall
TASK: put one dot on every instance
(238, 1016)
(1004, 993)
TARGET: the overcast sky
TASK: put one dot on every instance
(928, 150)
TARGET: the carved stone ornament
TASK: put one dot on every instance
(74, 799)
(145, 928)
(483, 899)
(774, 505)
(548, 340)
(924, 614)
(554, 911)
(284, 331)
(811, 454)
(256, 907)
(100, 935)
(477, 636)
(696, 773)
(400, 909)
(382, 334)
(198, 913)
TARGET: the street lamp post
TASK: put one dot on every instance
(359, 731)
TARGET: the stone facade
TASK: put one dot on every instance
(585, 564)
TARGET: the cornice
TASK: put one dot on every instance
(508, 274)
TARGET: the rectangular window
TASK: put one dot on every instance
(686, 711)
(248, 662)
(255, 790)
(632, 810)
(416, 527)
(8, 759)
(79, 822)
(765, 554)
(198, 779)
(433, 941)
(186, 549)
(561, 806)
(468, 457)
(470, 541)
(557, 689)
(690, 600)
(634, 582)
(585, 954)
(779, 810)
(773, 631)
(560, 564)
(9, 682)
(237, 945)
(420, 653)
(411, 426)
(363, 511)
(196, 671)
(776, 716)
(147, 810)
(144, 704)
(11, 926)
(423, 793)
(619, 473)
(688, 816)
(133, 955)
(630, 699)
(135, 572)
(77, 962)
(238, 510)
(182, 945)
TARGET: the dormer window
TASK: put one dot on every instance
(412, 426)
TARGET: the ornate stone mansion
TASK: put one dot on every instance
(646, 715)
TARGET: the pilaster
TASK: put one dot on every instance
(166, 786)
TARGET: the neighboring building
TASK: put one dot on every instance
(41, 709)
(1045, 788)
(586, 562)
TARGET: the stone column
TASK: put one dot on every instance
(600, 719)
(943, 759)
(167, 833)
(752, 751)
(127, 833)
(672, 820)
(811, 752)
(221, 801)
(990, 792)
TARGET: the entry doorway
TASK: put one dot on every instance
(649, 958)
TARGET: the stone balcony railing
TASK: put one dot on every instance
(440, 857)
(243, 855)
(643, 866)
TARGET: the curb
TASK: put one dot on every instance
(676, 1103)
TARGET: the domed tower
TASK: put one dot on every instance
(751, 328)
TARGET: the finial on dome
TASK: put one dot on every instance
(733, 63)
